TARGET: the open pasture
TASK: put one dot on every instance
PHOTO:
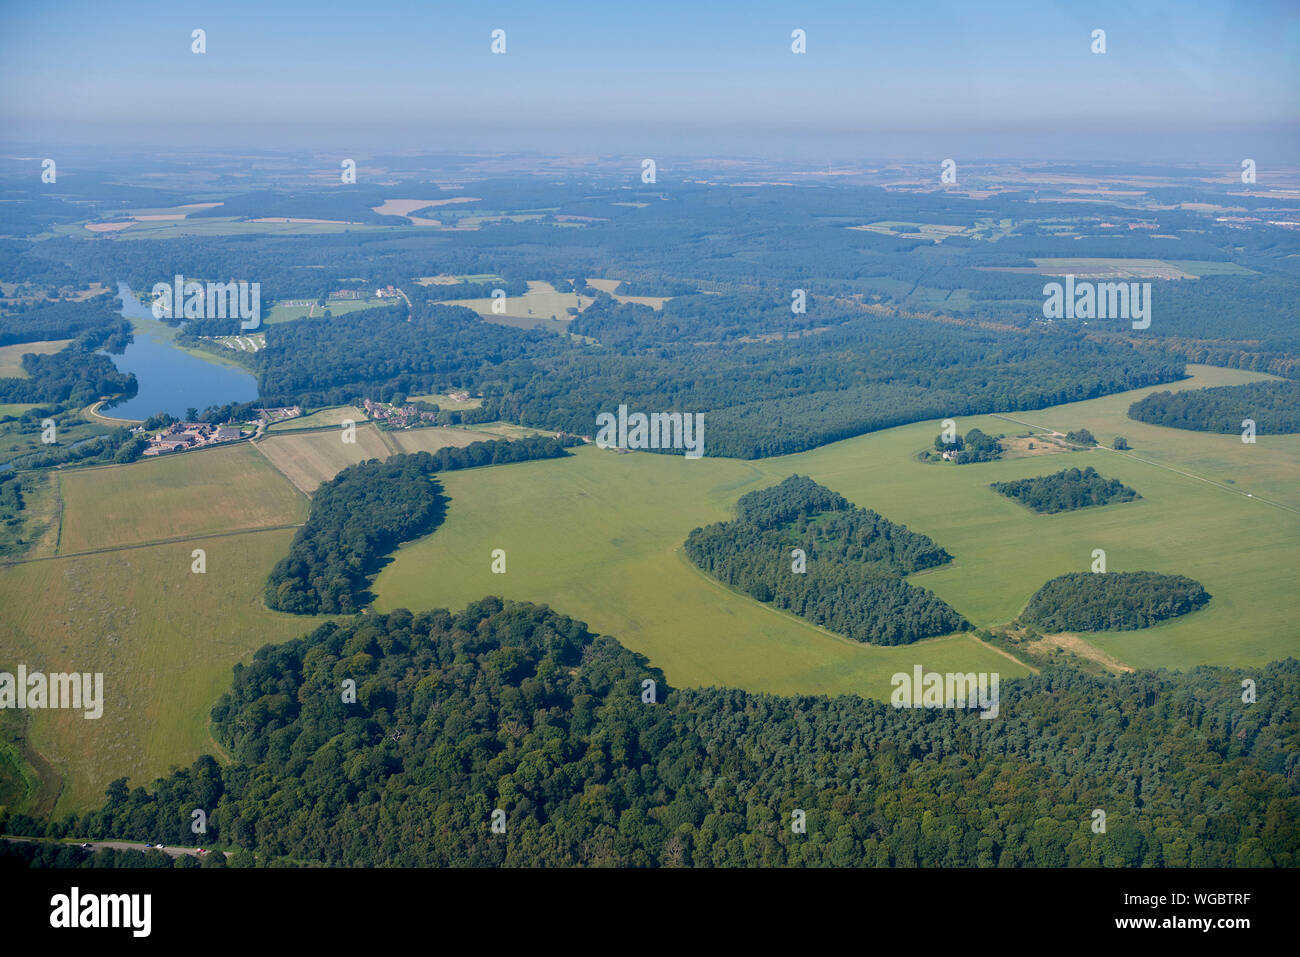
(599, 535)
(164, 638)
(207, 491)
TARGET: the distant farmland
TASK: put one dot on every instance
(1125, 268)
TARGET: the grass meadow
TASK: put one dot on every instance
(191, 493)
(599, 537)
(164, 638)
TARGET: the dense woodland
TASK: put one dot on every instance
(518, 708)
(94, 320)
(1274, 407)
(1112, 601)
(356, 518)
(1066, 490)
(863, 374)
(76, 374)
(366, 511)
(855, 562)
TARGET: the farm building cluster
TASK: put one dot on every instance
(399, 416)
(191, 435)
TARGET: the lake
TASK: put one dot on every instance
(170, 379)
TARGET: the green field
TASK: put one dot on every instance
(1111, 268)
(11, 357)
(164, 638)
(599, 537)
(189, 493)
(35, 533)
(1200, 269)
(502, 430)
(441, 401)
(15, 409)
(321, 418)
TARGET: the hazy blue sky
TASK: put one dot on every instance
(1005, 78)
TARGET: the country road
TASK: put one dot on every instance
(115, 845)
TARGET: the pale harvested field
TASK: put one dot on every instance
(404, 207)
(539, 303)
(433, 439)
(226, 489)
(309, 458)
(11, 357)
(446, 279)
(609, 285)
(1014, 447)
(1081, 648)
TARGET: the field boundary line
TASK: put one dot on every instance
(389, 444)
(160, 541)
(58, 504)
